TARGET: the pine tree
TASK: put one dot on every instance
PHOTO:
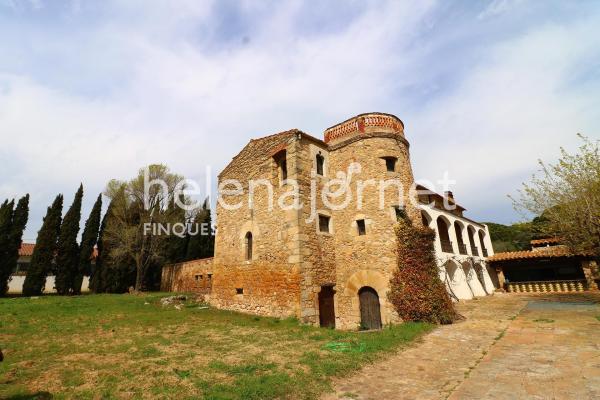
(67, 252)
(6, 214)
(88, 241)
(9, 262)
(43, 252)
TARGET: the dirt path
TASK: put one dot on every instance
(543, 346)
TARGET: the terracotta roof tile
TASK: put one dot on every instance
(544, 252)
(26, 249)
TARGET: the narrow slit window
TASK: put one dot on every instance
(283, 168)
(320, 163)
(323, 223)
(239, 291)
(249, 246)
(281, 162)
(362, 228)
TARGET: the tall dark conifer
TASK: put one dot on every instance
(43, 252)
(67, 252)
(88, 241)
(201, 244)
(6, 214)
(96, 284)
(9, 263)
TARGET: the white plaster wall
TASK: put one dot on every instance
(457, 282)
(15, 286)
(464, 286)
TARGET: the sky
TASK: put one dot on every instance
(95, 90)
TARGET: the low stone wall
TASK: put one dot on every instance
(191, 276)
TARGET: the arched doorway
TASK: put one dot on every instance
(370, 314)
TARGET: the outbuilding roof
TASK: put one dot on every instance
(543, 252)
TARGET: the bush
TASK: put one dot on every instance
(416, 291)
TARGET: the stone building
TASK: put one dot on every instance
(305, 227)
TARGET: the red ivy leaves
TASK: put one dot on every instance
(416, 290)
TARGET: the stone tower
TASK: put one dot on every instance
(318, 260)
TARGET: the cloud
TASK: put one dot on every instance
(93, 91)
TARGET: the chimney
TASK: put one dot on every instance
(449, 195)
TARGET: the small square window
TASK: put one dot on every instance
(198, 277)
(324, 223)
(362, 229)
(239, 291)
(390, 163)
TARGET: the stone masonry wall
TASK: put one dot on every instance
(267, 284)
(191, 276)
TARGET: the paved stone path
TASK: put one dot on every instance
(509, 346)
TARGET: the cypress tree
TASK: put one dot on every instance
(6, 214)
(88, 241)
(67, 252)
(201, 246)
(10, 259)
(96, 284)
(43, 252)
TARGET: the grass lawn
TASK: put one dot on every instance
(126, 346)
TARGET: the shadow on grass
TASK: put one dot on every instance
(32, 396)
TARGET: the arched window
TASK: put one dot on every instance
(249, 246)
(444, 235)
(458, 229)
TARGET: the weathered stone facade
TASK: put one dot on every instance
(324, 259)
(191, 276)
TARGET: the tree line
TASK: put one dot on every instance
(126, 255)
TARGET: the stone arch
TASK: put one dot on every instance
(483, 248)
(472, 279)
(472, 243)
(379, 283)
(459, 229)
(443, 228)
(455, 281)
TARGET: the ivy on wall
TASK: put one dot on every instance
(416, 291)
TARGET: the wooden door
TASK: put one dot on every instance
(370, 315)
(326, 307)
